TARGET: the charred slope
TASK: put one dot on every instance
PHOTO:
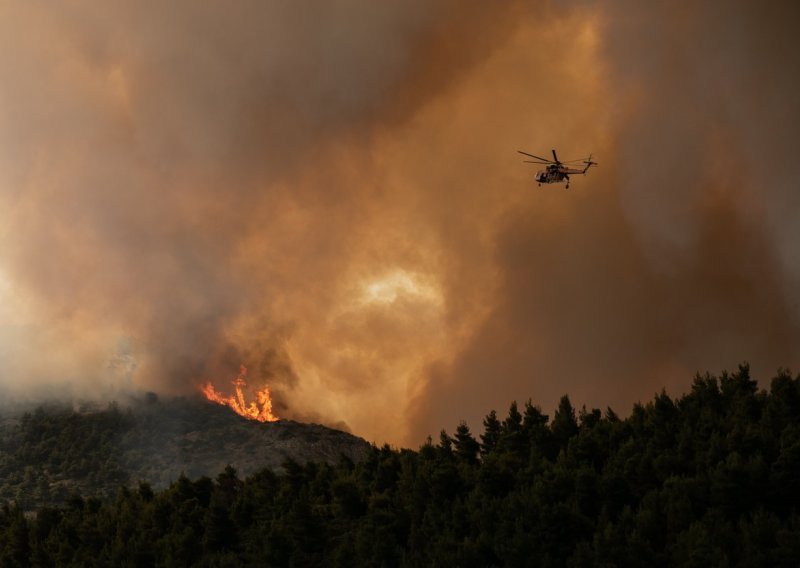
(52, 451)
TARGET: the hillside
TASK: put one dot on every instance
(709, 479)
(50, 452)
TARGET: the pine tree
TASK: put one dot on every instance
(467, 447)
(533, 418)
(491, 434)
(512, 440)
(445, 444)
(564, 425)
(513, 423)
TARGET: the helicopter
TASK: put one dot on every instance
(557, 171)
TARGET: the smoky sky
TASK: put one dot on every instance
(329, 193)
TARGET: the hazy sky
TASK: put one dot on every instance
(329, 193)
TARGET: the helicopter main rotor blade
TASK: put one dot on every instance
(555, 157)
(532, 162)
(537, 157)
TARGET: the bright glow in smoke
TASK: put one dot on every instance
(399, 285)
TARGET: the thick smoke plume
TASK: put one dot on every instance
(328, 192)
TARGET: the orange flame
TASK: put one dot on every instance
(260, 410)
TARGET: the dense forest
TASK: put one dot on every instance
(709, 479)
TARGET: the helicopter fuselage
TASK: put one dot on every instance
(549, 176)
(555, 174)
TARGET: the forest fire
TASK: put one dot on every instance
(260, 410)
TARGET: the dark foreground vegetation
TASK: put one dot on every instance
(709, 479)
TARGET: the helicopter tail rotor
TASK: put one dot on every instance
(589, 163)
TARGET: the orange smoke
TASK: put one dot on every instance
(260, 410)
